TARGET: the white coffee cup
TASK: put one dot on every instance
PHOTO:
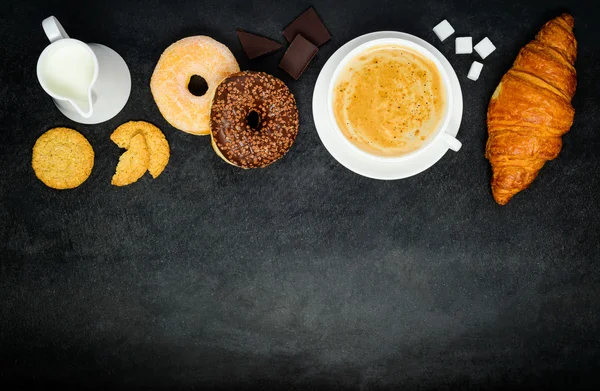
(439, 135)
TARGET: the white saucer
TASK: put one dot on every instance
(111, 91)
(360, 164)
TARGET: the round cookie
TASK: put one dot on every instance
(254, 119)
(158, 146)
(198, 55)
(62, 158)
(133, 163)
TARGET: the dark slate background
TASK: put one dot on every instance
(302, 274)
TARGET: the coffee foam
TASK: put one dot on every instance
(388, 100)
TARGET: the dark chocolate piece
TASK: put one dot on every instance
(256, 46)
(298, 56)
(309, 25)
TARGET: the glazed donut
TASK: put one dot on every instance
(199, 55)
(250, 145)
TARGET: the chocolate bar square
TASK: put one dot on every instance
(255, 45)
(298, 56)
(310, 26)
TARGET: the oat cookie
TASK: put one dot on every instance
(133, 163)
(62, 158)
(155, 139)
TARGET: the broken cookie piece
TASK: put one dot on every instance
(133, 164)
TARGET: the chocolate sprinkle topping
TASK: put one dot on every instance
(253, 146)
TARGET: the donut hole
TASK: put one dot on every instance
(253, 120)
(197, 85)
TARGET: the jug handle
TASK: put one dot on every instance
(53, 29)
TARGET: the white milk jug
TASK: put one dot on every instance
(90, 83)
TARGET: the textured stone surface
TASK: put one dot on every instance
(301, 274)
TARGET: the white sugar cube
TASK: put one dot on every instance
(443, 30)
(485, 47)
(464, 45)
(475, 70)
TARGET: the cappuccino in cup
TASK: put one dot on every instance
(389, 100)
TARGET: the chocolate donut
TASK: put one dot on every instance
(253, 119)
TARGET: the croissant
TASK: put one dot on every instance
(531, 109)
